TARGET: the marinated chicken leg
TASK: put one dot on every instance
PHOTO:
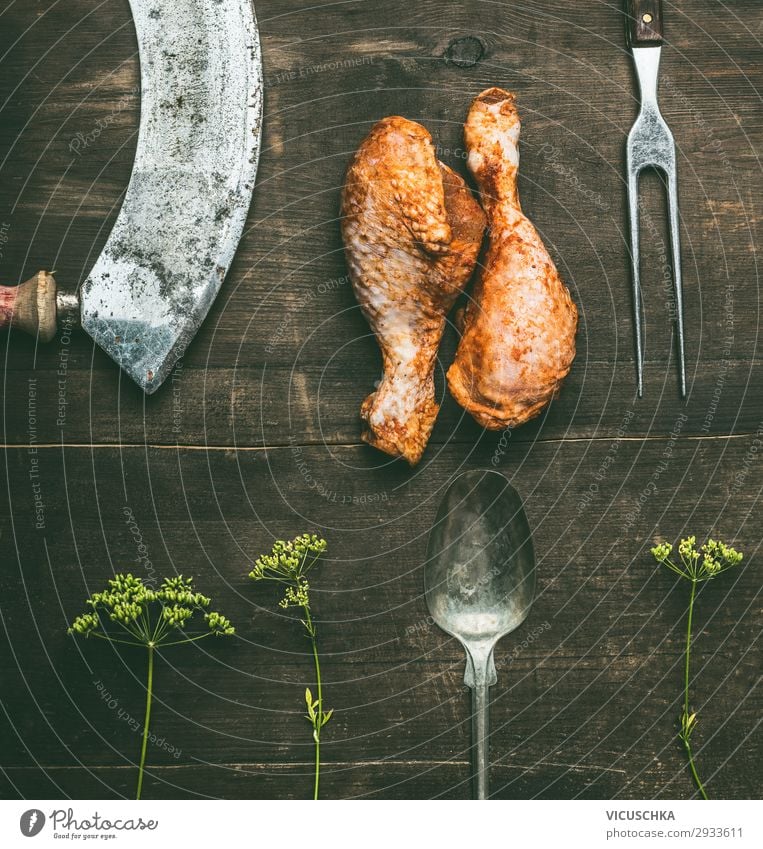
(412, 232)
(518, 339)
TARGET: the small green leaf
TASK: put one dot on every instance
(327, 716)
(310, 704)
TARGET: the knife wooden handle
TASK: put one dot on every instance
(643, 23)
(31, 306)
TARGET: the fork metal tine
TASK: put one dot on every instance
(675, 247)
(635, 275)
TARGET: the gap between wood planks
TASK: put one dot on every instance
(178, 446)
(264, 765)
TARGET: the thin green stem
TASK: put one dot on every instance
(146, 720)
(685, 728)
(274, 577)
(316, 724)
(133, 632)
(145, 626)
(688, 646)
(162, 628)
(187, 640)
(160, 621)
(693, 769)
(673, 568)
(312, 563)
(114, 639)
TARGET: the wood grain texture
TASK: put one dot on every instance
(256, 435)
(591, 682)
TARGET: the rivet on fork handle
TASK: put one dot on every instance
(643, 23)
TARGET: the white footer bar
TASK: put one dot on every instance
(371, 824)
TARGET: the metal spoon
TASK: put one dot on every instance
(480, 584)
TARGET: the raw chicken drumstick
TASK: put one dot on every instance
(412, 232)
(518, 339)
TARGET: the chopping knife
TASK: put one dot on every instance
(187, 199)
(651, 145)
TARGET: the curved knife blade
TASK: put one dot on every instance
(191, 184)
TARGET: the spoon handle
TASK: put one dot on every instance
(480, 733)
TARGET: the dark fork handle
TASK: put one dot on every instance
(643, 23)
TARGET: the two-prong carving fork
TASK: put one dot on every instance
(651, 145)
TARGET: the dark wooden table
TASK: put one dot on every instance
(256, 435)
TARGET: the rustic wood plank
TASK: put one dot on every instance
(287, 317)
(595, 682)
(421, 780)
(265, 781)
(274, 406)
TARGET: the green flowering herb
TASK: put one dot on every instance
(289, 564)
(130, 613)
(711, 560)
